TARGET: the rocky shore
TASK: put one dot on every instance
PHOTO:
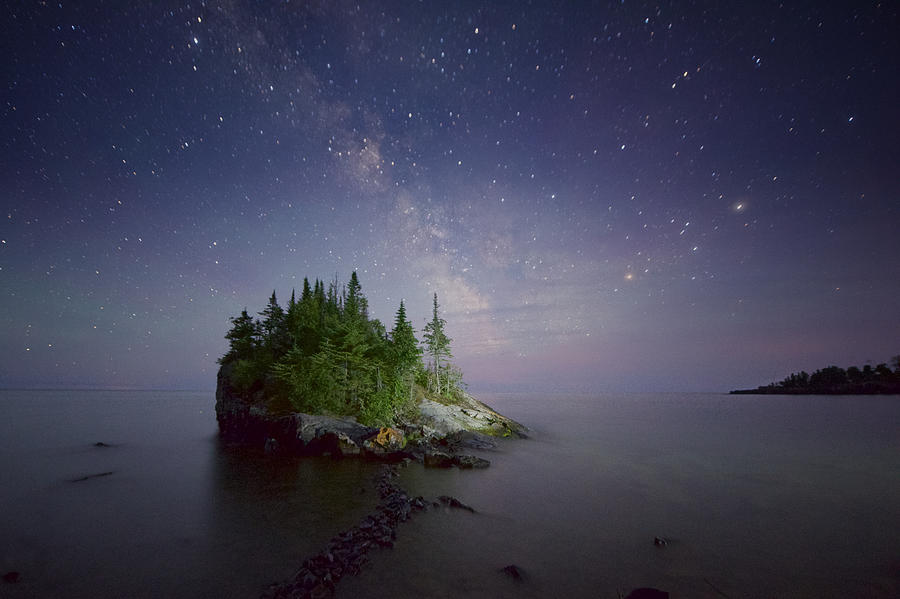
(435, 437)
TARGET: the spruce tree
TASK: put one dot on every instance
(274, 328)
(437, 344)
(406, 352)
(242, 337)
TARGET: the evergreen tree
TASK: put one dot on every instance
(406, 351)
(242, 338)
(405, 357)
(437, 344)
(274, 328)
(353, 297)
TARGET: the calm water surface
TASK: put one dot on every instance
(181, 516)
(761, 497)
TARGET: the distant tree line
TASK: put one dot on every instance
(834, 380)
(322, 353)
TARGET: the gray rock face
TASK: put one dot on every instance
(467, 415)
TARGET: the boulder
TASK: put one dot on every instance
(514, 572)
(12, 577)
(347, 446)
(437, 459)
(387, 441)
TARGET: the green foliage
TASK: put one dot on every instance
(377, 409)
(324, 354)
(246, 375)
(243, 338)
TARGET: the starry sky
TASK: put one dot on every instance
(610, 196)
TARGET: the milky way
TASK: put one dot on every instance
(621, 196)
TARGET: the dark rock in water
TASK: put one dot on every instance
(271, 446)
(514, 572)
(438, 459)
(454, 502)
(90, 476)
(647, 593)
(660, 541)
(470, 461)
(101, 444)
(12, 577)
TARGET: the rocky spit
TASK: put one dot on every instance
(437, 438)
(347, 553)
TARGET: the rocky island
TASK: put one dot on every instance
(322, 378)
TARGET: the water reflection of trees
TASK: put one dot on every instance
(267, 513)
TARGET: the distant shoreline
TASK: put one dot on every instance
(848, 390)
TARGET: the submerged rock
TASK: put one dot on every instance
(438, 459)
(514, 572)
(90, 476)
(12, 577)
(470, 461)
(454, 503)
(647, 593)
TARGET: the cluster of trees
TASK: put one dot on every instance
(836, 380)
(322, 353)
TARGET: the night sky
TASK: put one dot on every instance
(606, 197)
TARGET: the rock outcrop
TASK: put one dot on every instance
(466, 414)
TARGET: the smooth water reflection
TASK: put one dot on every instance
(181, 515)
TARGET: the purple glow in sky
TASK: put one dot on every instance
(614, 196)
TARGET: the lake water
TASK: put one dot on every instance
(760, 496)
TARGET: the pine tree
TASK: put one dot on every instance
(437, 344)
